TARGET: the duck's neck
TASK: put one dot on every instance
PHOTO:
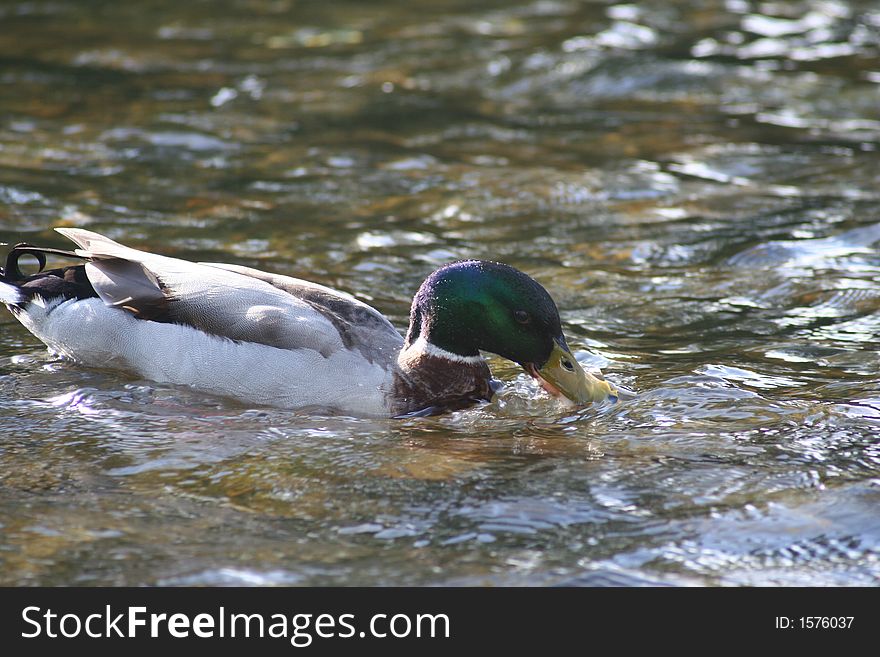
(432, 379)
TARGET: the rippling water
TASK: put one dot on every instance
(696, 183)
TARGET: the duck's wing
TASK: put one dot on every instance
(234, 302)
(359, 325)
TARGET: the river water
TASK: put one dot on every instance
(695, 182)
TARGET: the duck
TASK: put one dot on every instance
(274, 340)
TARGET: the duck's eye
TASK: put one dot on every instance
(521, 316)
(567, 365)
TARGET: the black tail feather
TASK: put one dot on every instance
(66, 283)
(12, 272)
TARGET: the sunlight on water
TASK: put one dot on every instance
(695, 184)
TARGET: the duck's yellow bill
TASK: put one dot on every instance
(563, 376)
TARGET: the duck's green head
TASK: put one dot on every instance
(475, 305)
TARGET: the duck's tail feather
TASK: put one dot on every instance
(11, 271)
(11, 275)
(9, 294)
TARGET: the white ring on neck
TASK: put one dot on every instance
(421, 345)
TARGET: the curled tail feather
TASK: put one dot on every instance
(11, 275)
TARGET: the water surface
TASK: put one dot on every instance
(696, 183)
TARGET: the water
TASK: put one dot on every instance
(694, 182)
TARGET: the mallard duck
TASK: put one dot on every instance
(275, 340)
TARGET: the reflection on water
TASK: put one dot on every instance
(696, 184)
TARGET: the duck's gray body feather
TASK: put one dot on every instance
(233, 330)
